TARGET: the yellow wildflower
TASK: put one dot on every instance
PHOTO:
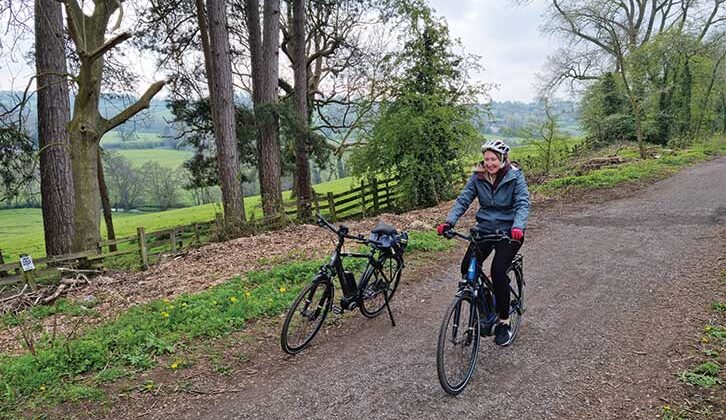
(248, 294)
(283, 290)
(42, 388)
(233, 299)
(174, 365)
(165, 314)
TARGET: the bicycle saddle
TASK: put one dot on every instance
(384, 229)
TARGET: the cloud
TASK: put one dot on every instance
(507, 39)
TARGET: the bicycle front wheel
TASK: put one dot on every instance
(458, 345)
(377, 282)
(306, 316)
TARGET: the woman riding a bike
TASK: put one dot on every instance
(503, 209)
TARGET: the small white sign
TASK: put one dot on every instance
(27, 263)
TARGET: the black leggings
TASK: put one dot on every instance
(504, 252)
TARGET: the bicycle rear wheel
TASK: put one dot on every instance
(516, 299)
(375, 282)
(306, 316)
(458, 344)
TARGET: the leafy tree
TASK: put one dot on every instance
(606, 115)
(194, 121)
(161, 184)
(126, 183)
(616, 36)
(17, 161)
(545, 134)
(422, 130)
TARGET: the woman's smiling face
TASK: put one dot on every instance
(491, 162)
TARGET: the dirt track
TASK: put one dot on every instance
(616, 294)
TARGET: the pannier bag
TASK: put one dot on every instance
(388, 238)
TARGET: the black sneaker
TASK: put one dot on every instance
(503, 335)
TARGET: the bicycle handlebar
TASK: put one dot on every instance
(491, 237)
(342, 232)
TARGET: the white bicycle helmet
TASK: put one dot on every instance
(495, 146)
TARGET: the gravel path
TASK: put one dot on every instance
(616, 291)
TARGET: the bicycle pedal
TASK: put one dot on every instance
(337, 310)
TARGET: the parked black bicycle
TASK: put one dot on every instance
(458, 344)
(371, 293)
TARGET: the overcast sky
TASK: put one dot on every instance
(504, 35)
(507, 39)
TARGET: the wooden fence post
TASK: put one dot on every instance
(29, 278)
(363, 197)
(316, 197)
(172, 237)
(374, 187)
(219, 220)
(389, 202)
(143, 252)
(28, 275)
(2, 261)
(196, 239)
(331, 207)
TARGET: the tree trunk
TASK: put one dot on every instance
(268, 144)
(223, 114)
(707, 96)
(105, 203)
(635, 107)
(56, 180)
(85, 139)
(303, 186)
(206, 48)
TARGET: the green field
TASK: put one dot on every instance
(21, 230)
(168, 158)
(139, 140)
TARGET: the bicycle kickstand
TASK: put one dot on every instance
(388, 307)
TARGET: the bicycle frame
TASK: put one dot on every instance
(352, 295)
(477, 283)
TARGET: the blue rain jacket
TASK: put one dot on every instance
(504, 208)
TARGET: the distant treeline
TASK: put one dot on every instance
(152, 128)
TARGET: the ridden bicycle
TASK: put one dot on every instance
(371, 293)
(458, 344)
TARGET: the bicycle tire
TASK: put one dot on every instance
(313, 321)
(373, 284)
(463, 341)
(516, 299)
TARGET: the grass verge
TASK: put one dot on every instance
(704, 381)
(70, 366)
(667, 162)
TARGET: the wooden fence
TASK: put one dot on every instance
(144, 245)
(366, 200)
